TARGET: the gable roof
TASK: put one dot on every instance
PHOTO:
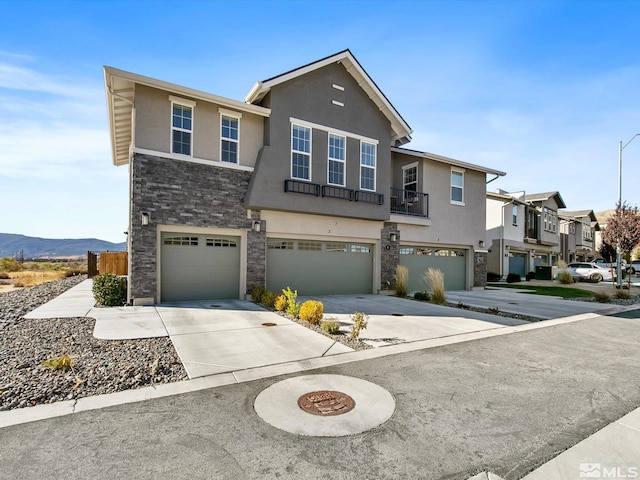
(401, 130)
(120, 90)
(541, 197)
(447, 160)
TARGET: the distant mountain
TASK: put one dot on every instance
(34, 247)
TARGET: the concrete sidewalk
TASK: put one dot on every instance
(612, 450)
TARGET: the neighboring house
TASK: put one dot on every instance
(577, 235)
(522, 231)
(602, 219)
(304, 184)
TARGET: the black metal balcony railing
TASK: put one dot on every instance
(408, 202)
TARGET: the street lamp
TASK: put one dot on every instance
(618, 253)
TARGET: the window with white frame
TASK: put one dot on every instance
(457, 186)
(550, 220)
(336, 172)
(367, 166)
(229, 138)
(410, 177)
(300, 152)
(181, 127)
(514, 214)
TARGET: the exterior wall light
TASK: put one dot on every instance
(393, 237)
(145, 218)
(256, 226)
(481, 243)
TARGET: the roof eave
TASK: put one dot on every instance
(447, 160)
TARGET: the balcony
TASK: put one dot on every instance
(408, 202)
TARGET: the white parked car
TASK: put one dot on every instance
(590, 271)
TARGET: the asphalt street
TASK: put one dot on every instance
(505, 404)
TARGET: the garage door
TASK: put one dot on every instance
(517, 263)
(199, 267)
(453, 263)
(319, 268)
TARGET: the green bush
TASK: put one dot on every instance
(423, 296)
(257, 293)
(565, 277)
(513, 278)
(293, 307)
(109, 290)
(360, 321)
(269, 299)
(311, 311)
(280, 303)
(601, 297)
(330, 326)
(9, 264)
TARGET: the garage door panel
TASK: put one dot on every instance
(199, 267)
(451, 262)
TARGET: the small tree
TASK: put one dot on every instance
(623, 229)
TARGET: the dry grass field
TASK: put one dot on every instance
(35, 273)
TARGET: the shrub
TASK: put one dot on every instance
(280, 303)
(530, 276)
(257, 293)
(109, 290)
(330, 326)
(434, 278)
(311, 311)
(493, 277)
(360, 321)
(269, 299)
(4, 276)
(74, 272)
(293, 307)
(513, 278)
(601, 297)
(623, 294)
(9, 264)
(402, 280)
(565, 277)
(423, 296)
(560, 264)
(60, 363)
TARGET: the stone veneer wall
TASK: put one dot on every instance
(479, 269)
(189, 194)
(390, 255)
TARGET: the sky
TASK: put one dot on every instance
(542, 90)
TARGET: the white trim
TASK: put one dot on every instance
(338, 87)
(182, 101)
(237, 142)
(339, 104)
(374, 168)
(451, 186)
(407, 167)
(335, 131)
(447, 160)
(185, 158)
(229, 113)
(231, 232)
(343, 161)
(300, 152)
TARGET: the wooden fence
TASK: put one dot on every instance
(107, 262)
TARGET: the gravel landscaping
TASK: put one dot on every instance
(97, 366)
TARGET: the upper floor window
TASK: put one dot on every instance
(410, 178)
(514, 214)
(336, 174)
(181, 127)
(229, 138)
(550, 220)
(457, 186)
(300, 152)
(367, 166)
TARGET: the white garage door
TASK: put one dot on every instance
(199, 267)
(319, 268)
(451, 262)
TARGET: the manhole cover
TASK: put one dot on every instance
(269, 324)
(326, 403)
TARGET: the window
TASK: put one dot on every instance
(190, 241)
(181, 128)
(367, 166)
(410, 178)
(457, 186)
(276, 244)
(550, 220)
(336, 160)
(514, 214)
(229, 137)
(221, 242)
(300, 152)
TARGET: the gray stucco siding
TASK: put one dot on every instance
(309, 98)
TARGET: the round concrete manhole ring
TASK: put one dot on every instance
(325, 402)
(278, 406)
